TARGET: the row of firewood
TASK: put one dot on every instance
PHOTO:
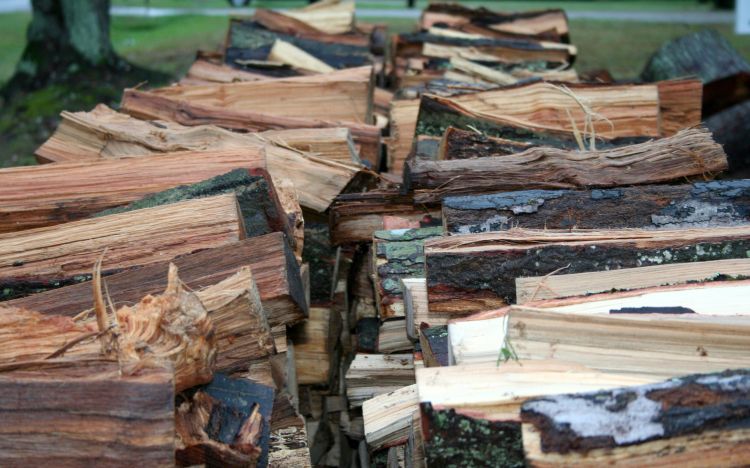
(329, 247)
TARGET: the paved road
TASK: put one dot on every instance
(690, 17)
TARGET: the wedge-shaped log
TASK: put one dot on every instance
(153, 106)
(317, 179)
(76, 412)
(54, 256)
(478, 271)
(691, 152)
(36, 196)
(274, 270)
(696, 420)
(645, 344)
(725, 202)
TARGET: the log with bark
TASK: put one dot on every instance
(417, 310)
(468, 273)
(356, 216)
(274, 269)
(728, 126)
(435, 345)
(54, 256)
(152, 106)
(662, 345)
(37, 196)
(695, 420)
(709, 56)
(703, 204)
(106, 134)
(314, 343)
(288, 442)
(83, 412)
(397, 254)
(470, 413)
(392, 337)
(290, 24)
(691, 152)
(467, 144)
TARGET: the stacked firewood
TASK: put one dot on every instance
(327, 247)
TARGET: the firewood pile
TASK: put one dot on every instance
(328, 245)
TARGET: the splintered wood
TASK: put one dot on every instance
(327, 245)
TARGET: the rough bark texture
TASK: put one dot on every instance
(321, 256)
(483, 277)
(691, 152)
(452, 439)
(79, 413)
(398, 254)
(274, 269)
(434, 343)
(729, 127)
(465, 144)
(677, 407)
(709, 56)
(703, 204)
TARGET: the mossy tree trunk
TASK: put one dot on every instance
(65, 36)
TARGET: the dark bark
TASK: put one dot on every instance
(465, 144)
(703, 204)
(452, 439)
(321, 256)
(678, 407)
(274, 268)
(434, 344)
(471, 281)
(730, 128)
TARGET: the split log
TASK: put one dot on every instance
(388, 417)
(333, 17)
(288, 443)
(703, 204)
(403, 115)
(73, 413)
(469, 413)
(723, 71)
(249, 42)
(356, 216)
(289, 54)
(677, 422)
(392, 337)
(662, 160)
(317, 179)
(288, 23)
(153, 106)
(344, 100)
(465, 144)
(648, 345)
(256, 196)
(226, 423)
(374, 374)
(321, 256)
(273, 266)
(435, 345)
(314, 341)
(397, 254)
(335, 144)
(54, 256)
(539, 22)
(540, 288)
(37, 196)
(469, 273)
(204, 71)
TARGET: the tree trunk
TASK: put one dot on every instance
(63, 36)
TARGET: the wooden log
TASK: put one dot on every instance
(314, 341)
(259, 205)
(539, 288)
(392, 337)
(321, 256)
(335, 144)
(403, 115)
(435, 345)
(397, 254)
(37, 196)
(273, 266)
(723, 71)
(288, 443)
(663, 160)
(474, 272)
(648, 345)
(291, 55)
(472, 412)
(334, 17)
(417, 309)
(374, 374)
(204, 71)
(72, 412)
(465, 144)
(53, 256)
(158, 107)
(356, 216)
(317, 179)
(680, 421)
(388, 417)
(718, 203)
(226, 423)
(242, 330)
(290, 25)
(727, 126)
(248, 41)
